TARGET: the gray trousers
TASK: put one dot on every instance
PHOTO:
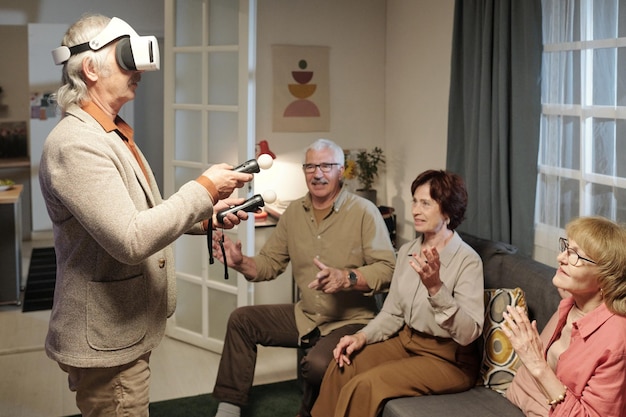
(271, 325)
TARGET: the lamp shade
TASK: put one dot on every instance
(264, 148)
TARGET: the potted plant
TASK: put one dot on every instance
(365, 169)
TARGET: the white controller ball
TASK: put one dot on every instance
(265, 161)
(269, 196)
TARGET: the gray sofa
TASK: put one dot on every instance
(503, 268)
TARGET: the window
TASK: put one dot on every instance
(582, 154)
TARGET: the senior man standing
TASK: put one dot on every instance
(112, 230)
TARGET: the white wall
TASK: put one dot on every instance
(419, 42)
(355, 32)
(389, 69)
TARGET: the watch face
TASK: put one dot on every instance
(352, 277)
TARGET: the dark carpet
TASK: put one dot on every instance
(40, 281)
(281, 399)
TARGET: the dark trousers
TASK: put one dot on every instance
(271, 325)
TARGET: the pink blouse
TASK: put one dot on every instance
(593, 367)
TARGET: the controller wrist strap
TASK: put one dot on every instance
(209, 242)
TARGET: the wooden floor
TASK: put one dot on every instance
(31, 385)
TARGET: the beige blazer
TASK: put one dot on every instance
(115, 282)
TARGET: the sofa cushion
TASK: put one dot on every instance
(499, 359)
(504, 268)
(535, 279)
(492, 253)
(479, 402)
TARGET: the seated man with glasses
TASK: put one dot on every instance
(341, 254)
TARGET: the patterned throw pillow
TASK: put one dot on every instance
(499, 359)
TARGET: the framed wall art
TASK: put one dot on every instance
(301, 88)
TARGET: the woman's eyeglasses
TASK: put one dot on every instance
(572, 256)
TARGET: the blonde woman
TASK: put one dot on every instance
(577, 366)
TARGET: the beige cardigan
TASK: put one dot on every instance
(115, 275)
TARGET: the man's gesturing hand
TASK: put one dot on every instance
(328, 280)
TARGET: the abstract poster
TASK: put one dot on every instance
(301, 88)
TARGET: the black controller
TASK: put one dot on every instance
(249, 167)
(250, 205)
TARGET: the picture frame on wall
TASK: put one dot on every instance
(301, 88)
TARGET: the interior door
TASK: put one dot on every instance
(208, 118)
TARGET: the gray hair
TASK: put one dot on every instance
(74, 89)
(322, 144)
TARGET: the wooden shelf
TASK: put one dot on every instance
(23, 162)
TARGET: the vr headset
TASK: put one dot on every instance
(132, 52)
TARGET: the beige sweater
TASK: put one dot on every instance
(353, 235)
(115, 275)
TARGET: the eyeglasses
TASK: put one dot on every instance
(572, 256)
(324, 166)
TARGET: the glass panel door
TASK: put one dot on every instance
(208, 119)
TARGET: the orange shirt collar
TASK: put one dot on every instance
(107, 124)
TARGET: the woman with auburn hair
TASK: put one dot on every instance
(577, 366)
(421, 342)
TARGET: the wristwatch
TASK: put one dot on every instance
(352, 278)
